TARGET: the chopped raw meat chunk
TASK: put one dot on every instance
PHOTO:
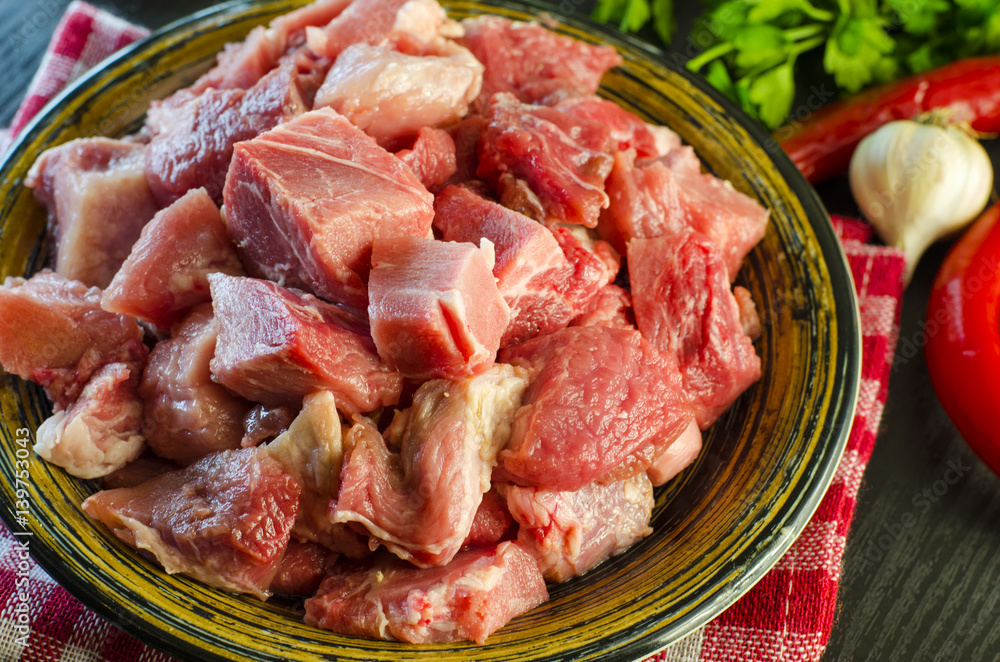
(431, 158)
(435, 309)
(138, 471)
(421, 502)
(241, 64)
(611, 307)
(595, 264)
(167, 272)
(492, 522)
(392, 95)
(749, 319)
(571, 532)
(627, 130)
(264, 423)
(276, 347)
(532, 62)
(225, 520)
(187, 414)
(312, 451)
(544, 163)
(305, 200)
(54, 333)
(196, 149)
(466, 136)
(470, 598)
(302, 569)
(99, 433)
(97, 199)
(678, 455)
(533, 274)
(733, 220)
(683, 305)
(602, 406)
(645, 202)
(373, 21)
(317, 13)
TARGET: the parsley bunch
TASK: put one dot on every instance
(751, 47)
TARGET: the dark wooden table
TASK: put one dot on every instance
(921, 574)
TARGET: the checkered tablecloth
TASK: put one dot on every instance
(787, 616)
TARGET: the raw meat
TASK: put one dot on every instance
(627, 129)
(196, 148)
(570, 533)
(431, 157)
(544, 163)
(435, 309)
(683, 305)
(166, 273)
(187, 414)
(470, 598)
(677, 457)
(97, 199)
(603, 404)
(312, 451)
(265, 423)
(535, 64)
(138, 471)
(391, 95)
(734, 221)
(276, 346)
(466, 135)
(420, 502)
(225, 520)
(305, 200)
(54, 333)
(302, 568)
(376, 21)
(611, 307)
(492, 522)
(99, 432)
(749, 319)
(595, 264)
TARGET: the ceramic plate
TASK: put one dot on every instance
(718, 527)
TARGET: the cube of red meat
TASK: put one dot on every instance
(97, 199)
(435, 308)
(492, 522)
(420, 503)
(570, 533)
(677, 457)
(733, 220)
(53, 332)
(533, 275)
(468, 599)
(544, 163)
(595, 264)
(683, 305)
(431, 157)
(628, 131)
(302, 568)
(166, 274)
(361, 22)
(276, 346)
(225, 520)
(602, 406)
(99, 433)
(187, 414)
(532, 62)
(305, 200)
(611, 307)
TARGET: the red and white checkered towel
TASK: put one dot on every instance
(787, 616)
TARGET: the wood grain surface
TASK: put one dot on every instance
(921, 574)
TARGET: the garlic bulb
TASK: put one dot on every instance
(918, 182)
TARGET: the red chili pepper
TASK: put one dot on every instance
(821, 145)
(963, 336)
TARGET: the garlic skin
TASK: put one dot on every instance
(919, 182)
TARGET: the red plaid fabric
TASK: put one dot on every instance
(786, 617)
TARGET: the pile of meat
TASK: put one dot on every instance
(348, 318)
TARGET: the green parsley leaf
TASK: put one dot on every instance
(772, 93)
(663, 19)
(919, 17)
(719, 78)
(757, 44)
(635, 16)
(855, 50)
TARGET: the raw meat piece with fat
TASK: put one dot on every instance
(98, 200)
(677, 457)
(53, 332)
(377, 21)
(276, 346)
(435, 309)
(302, 568)
(166, 274)
(431, 157)
(683, 305)
(603, 404)
(544, 163)
(187, 415)
(305, 200)
(468, 599)
(532, 62)
(420, 502)
(628, 130)
(225, 520)
(570, 533)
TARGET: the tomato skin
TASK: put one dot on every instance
(963, 356)
(821, 146)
